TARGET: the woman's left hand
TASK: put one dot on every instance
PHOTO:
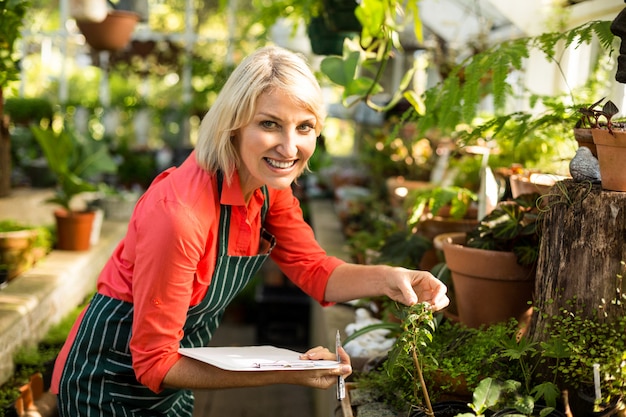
(322, 378)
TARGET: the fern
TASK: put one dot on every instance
(455, 100)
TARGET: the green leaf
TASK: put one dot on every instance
(486, 395)
(548, 391)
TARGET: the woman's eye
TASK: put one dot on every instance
(268, 124)
(306, 127)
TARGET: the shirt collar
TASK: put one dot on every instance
(232, 194)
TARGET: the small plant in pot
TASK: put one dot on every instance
(493, 266)
(610, 141)
(77, 162)
(511, 227)
(21, 246)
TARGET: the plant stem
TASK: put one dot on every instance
(418, 367)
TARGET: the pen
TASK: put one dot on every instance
(341, 387)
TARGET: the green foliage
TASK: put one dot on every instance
(368, 225)
(75, 160)
(454, 360)
(27, 110)
(432, 200)
(455, 100)
(381, 26)
(513, 226)
(418, 325)
(43, 238)
(585, 341)
(12, 14)
(403, 248)
(493, 395)
(526, 353)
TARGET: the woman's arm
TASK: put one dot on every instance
(192, 374)
(351, 281)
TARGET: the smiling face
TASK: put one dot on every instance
(277, 143)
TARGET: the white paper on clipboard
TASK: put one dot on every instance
(255, 358)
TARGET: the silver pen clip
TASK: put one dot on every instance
(283, 364)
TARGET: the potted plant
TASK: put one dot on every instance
(76, 161)
(610, 141)
(588, 120)
(452, 357)
(21, 246)
(493, 266)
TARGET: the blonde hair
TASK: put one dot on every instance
(268, 69)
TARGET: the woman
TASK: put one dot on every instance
(197, 236)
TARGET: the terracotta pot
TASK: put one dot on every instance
(533, 183)
(489, 286)
(437, 225)
(74, 229)
(584, 138)
(113, 33)
(612, 157)
(16, 251)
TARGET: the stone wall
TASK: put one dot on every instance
(42, 296)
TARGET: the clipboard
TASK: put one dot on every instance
(255, 358)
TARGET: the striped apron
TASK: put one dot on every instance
(98, 378)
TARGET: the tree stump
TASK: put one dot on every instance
(582, 250)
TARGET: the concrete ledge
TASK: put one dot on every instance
(42, 296)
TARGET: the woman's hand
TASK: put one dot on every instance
(406, 286)
(410, 287)
(321, 378)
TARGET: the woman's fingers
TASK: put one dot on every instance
(325, 378)
(318, 353)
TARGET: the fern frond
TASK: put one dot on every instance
(455, 100)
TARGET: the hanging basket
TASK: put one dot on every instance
(113, 33)
(323, 40)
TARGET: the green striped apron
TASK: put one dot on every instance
(98, 378)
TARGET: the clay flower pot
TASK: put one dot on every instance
(74, 229)
(489, 286)
(612, 157)
(584, 138)
(113, 33)
(16, 251)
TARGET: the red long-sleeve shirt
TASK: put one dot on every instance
(165, 262)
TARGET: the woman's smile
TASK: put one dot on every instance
(280, 165)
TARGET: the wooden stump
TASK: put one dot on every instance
(582, 249)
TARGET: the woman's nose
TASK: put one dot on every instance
(288, 146)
